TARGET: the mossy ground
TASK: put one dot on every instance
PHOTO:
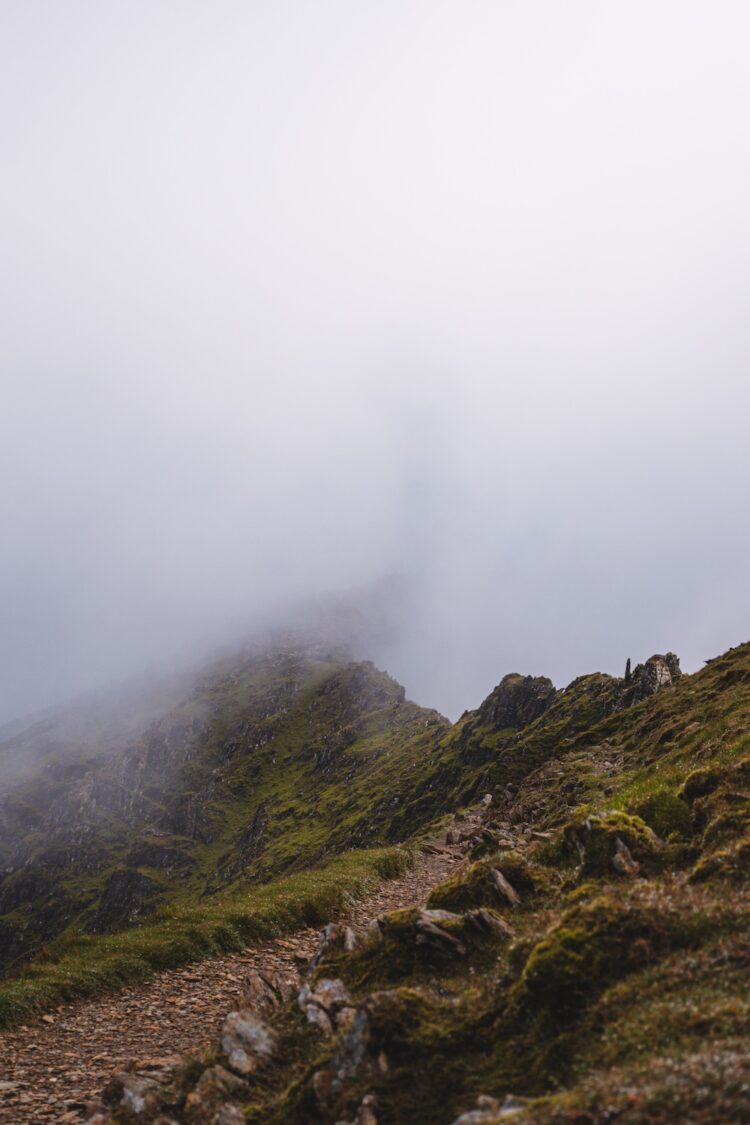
(618, 994)
(619, 997)
(271, 767)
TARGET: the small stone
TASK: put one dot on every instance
(319, 1018)
(487, 1111)
(438, 941)
(506, 892)
(247, 1042)
(331, 995)
(512, 1105)
(323, 1004)
(230, 1115)
(345, 1018)
(263, 994)
(322, 1082)
(366, 1112)
(623, 861)
(334, 938)
(213, 1088)
(485, 922)
(437, 916)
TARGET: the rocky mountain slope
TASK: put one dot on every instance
(272, 763)
(585, 962)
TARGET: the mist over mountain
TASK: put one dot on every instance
(297, 298)
(374, 675)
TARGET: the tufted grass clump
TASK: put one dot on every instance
(597, 942)
(667, 815)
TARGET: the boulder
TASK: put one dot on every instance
(622, 860)
(612, 841)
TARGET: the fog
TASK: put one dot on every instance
(298, 295)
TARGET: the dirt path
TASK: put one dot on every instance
(52, 1065)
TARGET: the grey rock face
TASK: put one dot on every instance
(347, 1061)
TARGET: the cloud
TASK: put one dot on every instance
(295, 296)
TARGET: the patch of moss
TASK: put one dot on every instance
(594, 944)
(731, 863)
(727, 824)
(699, 782)
(593, 841)
(477, 887)
(667, 815)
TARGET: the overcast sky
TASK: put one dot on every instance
(296, 294)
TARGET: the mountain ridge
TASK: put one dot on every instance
(600, 828)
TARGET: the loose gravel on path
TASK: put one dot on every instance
(52, 1065)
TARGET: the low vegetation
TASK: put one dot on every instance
(587, 959)
(613, 989)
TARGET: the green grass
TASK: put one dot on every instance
(81, 965)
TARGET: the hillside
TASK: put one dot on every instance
(269, 763)
(585, 961)
(272, 763)
(589, 963)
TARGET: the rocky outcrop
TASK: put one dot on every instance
(646, 679)
(201, 797)
(517, 701)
